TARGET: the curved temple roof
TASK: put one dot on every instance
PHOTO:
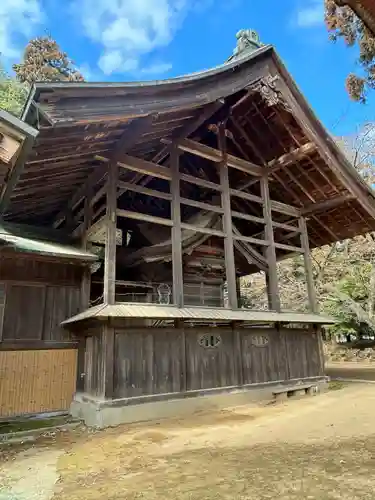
(269, 123)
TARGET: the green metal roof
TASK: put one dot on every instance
(25, 238)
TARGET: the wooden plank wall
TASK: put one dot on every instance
(38, 297)
(36, 381)
(161, 360)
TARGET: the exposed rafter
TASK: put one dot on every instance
(128, 138)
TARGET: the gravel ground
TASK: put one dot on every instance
(318, 447)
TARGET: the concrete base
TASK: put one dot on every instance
(109, 413)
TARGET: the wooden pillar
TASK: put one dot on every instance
(108, 361)
(227, 222)
(313, 304)
(87, 221)
(177, 269)
(270, 251)
(110, 242)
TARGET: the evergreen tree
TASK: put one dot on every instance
(43, 61)
(343, 23)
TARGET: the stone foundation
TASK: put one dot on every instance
(109, 413)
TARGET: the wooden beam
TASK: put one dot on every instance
(200, 204)
(200, 182)
(290, 158)
(144, 217)
(109, 292)
(270, 251)
(251, 218)
(86, 277)
(136, 188)
(289, 248)
(214, 155)
(313, 304)
(127, 139)
(177, 270)
(246, 196)
(283, 208)
(275, 205)
(190, 127)
(250, 239)
(145, 167)
(230, 266)
(203, 230)
(254, 253)
(15, 173)
(287, 227)
(325, 205)
(328, 150)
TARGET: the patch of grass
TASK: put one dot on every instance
(27, 424)
(335, 385)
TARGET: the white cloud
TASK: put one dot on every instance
(17, 18)
(127, 30)
(310, 13)
(156, 68)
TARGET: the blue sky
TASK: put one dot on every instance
(122, 40)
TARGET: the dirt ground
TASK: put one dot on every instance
(320, 447)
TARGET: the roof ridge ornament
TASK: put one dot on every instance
(248, 41)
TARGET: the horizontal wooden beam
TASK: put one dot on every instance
(291, 157)
(200, 182)
(136, 188)
(215, 155)
(325, 205)
(145, 167)
(29, 345)
(287, 227)
(128, 214)
(202, 205)
(251, 218)
(246, 196)
(203, 230)
(250, 239)
(277, 206)
(289, 248)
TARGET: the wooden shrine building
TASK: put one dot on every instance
(178, 188)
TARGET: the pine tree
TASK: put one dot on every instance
(43, 61)
(343, 23)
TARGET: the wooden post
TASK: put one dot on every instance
(110, 243)
(108, 353)
(177, 270)
(273, 286)
(313, 304)
(227, 221)
(87, 221)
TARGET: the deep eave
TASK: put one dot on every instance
(80, 122)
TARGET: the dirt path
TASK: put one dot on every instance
(351, 370)
(314, 448)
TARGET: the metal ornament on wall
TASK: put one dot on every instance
(267, 88)
(164, 293)
(260, 340)
(209, 340)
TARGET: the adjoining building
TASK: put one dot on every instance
(172, 190)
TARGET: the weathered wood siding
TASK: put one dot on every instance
(160, 360)
(263, 363)
(36, 381)
(38, 296)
